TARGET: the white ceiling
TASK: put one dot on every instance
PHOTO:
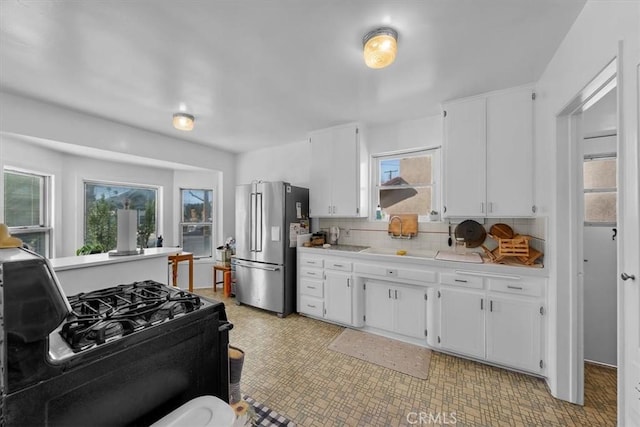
(257, 73)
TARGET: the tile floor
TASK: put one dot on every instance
(289, 368)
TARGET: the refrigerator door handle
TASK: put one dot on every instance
(252, 225)
(259, 268)
(259, 214)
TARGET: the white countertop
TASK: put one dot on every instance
(82, 261)
(424, 258)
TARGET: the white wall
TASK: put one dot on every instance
(289, 163)
(591, 44)
(31, 118)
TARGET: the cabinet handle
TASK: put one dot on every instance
(482, 207)
(348, 282)
(490, 207)
(514, 287)
(311, 273)
(491, 305)
(310, 287)
(396, 294)
(389, 293)
(311, 262)
(460, 280)
(329, 209)
(334, 209)
(481, 303)
(311, 306)
(338, 265)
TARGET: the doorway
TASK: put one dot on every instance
(599, 196)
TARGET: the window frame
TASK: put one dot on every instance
(436, 172)
(46, 207)
(156, 188)
(182, 223)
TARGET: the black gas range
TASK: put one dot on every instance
(125, 355)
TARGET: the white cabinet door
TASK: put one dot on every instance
(513, 333)
(510, 154)
(378, 306)
(338, 296)
(462, 322)
(464, 158)
(410, 311)
(345, 170)
(320, 187)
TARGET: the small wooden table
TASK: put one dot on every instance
(175, 259)
(222, 268)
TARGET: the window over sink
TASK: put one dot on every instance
(406, 182)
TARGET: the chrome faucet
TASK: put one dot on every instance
(391, 221)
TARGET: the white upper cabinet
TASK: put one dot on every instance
(339, 171)
(488, 155)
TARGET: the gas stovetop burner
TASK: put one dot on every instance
(108, 314)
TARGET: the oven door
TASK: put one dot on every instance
(260, 285)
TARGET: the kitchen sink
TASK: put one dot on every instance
(412, 253)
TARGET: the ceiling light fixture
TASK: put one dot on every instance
(183, 121)
(380, 47)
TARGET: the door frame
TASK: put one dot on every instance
(570, 212)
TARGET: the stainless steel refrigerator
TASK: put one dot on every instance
(268, 218)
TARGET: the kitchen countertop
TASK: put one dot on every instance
(423, 258)
(82, 261)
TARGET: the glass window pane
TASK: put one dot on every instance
(197, 205)
(35, 241)
(197, 240)
(101, 204)
(406, 171)
(406, 200)
(600, 173)
(600, 207)
(23, 198)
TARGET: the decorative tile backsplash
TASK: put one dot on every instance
(431, 235)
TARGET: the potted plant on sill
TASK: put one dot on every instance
(434, 216)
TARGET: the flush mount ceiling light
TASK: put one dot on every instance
(183, 121)
(380, 47)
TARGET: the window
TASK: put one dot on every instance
(600, 190)
(101, 202)
(407, 182)
(196, 226)
(26, 209)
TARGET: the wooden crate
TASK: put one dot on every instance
(516, 247)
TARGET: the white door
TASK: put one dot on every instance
(378, 306)
(464, 158)
(338, 296)
(509, 148)
(513, 333)
(410, 311)
(629, 264)
(321, 176)
(345, 170)
(462, 322)
(600, 295)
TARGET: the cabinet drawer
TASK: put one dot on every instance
(313, 288)
(417, 275)
(370, 269)
(461, 280)
(312, 273)
(307, 261)
(527, 287)
(311, 305)
(336, 264)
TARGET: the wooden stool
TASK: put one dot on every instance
(222, 268)
(174, 260)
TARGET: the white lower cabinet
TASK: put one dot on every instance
(513, 333)
(338, 296)
(396, 308)
(462, 321)
(500, 329)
